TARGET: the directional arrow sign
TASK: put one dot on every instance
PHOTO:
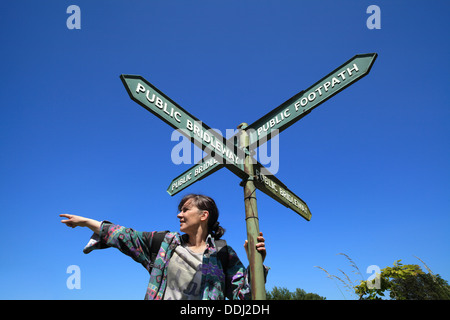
(274, 188)
(204, 168)
(152, 99)
(302, 103)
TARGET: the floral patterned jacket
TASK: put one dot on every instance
(233, 285)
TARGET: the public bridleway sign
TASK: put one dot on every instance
(155, 101)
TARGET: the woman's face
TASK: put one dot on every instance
(191, 217)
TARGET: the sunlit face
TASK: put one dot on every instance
(191, 217)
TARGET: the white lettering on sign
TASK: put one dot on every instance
(309, 97)
(159, 103)
(276, 120)
(204, 166)
(197, 171)
(326, 86)
(281, 191)
(210, 138)
(178, 183)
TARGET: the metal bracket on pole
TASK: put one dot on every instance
(244, 181)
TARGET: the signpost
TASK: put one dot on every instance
(235, 153)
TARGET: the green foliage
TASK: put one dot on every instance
(399, 271)
(406, 282)
(400, 282)
(285, 294)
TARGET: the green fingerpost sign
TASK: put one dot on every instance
(305, 101)
(155, 101)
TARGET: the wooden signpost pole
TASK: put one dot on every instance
(252, 222)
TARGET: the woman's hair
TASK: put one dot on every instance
(206, 203)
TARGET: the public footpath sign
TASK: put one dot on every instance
(303, 102)
(236, 153)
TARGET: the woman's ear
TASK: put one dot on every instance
(204, 216)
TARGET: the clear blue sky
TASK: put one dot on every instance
(372, 163)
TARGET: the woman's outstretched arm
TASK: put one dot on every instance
(78, 221)
(133, 243)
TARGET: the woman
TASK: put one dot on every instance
(187, 266)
